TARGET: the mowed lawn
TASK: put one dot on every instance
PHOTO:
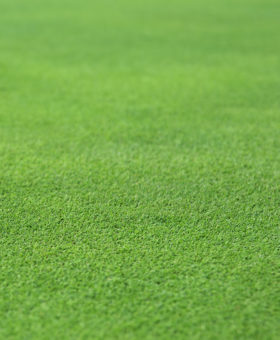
(139, 169)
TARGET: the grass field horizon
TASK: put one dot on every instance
(140, 168)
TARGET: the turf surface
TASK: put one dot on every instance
(140, 168)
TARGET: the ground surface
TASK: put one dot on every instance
(140, 168)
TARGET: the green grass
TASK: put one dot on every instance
(139, 169)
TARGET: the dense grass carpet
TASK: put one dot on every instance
(139, 169)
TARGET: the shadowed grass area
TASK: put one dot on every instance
(139, 169)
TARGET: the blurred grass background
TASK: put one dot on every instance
(139, 163)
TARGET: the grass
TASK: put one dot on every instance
(140, 168)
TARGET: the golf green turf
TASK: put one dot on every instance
(139, 169)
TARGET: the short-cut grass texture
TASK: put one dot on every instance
(140, 169)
